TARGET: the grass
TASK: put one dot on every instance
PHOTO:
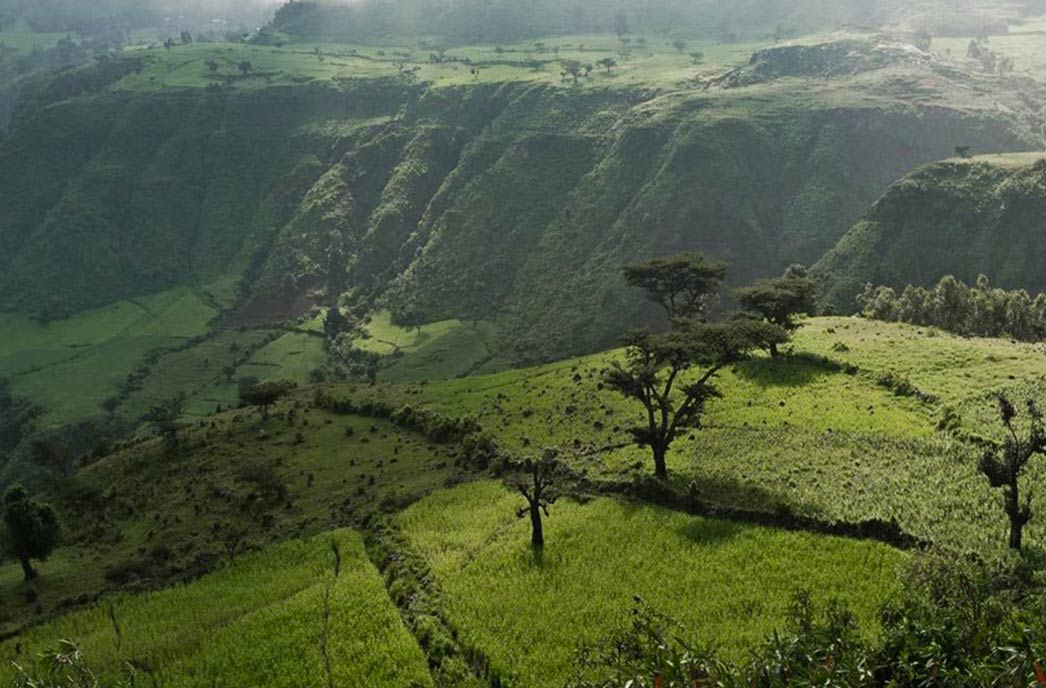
(1024, 44)
(655, 62)
(71, 366)
(440, 350)
(823, 438)
(955, 369)
(22, 38)
(729, 583)
(118, 511)
(219, 630)
(800, 431)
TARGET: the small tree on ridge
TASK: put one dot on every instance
(781, 299)
(686, 286)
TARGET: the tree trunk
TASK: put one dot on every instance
(1013, 510)
(1016, 534)
(660, 467)
(537, 537)
(27, 569)
(773, 350)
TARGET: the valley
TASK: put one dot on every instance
(301, 318)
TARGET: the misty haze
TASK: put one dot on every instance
(522, 343)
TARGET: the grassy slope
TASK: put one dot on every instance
(797, 431)
(220, 629)
(151, 516)
(272, 181)
(440, 350)
(960, 217)
(654, 63)
(69, 367)
(730, 584)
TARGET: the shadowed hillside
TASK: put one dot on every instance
(961, 217)
(493, 201)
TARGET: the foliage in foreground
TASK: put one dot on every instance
(956, 622)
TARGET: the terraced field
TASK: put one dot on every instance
(336, 624)
(531, 614)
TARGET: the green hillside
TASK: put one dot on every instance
(310, 329)
(378, 189)
(530, 616)
(826, 434)
(960, 217)
(470, 196)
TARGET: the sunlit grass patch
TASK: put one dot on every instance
(259, 621)
(730, 583)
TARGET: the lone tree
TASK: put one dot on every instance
(165, 417)
(607, 63)
(680, 45)
(671, 375)
(536, 480)
(246, 67)
(31, 529)
(686, 286)
(572, 69)
(1004, 464)
(265, 394)
(781, 299)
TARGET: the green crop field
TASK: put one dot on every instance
(71, 366)
(730, 583)
(641, 61)
(23, 39)
(220, 627)
(824, 440)
(832, 442)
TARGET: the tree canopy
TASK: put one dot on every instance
(31, 529)
(780, 300)
(265, 394)
(671, 375)
(686, 286)
(1004, 464)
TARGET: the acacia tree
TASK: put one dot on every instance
(536, 480)
(671, 375)
(1004, 464)
(265, 394)
(31, 529)
(686, 286)
(166, 416)
(780, 300)
(572, 69)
